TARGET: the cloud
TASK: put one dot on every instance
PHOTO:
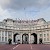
(18, 4)
(10, 9)
(43, 14)
(4, 2)
(4, 14)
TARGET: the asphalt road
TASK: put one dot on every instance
(25, 47)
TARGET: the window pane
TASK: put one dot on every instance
(3, 34)
(2, 38)
(44, 35)
(40, 35)
(44, 39)
(6, 33)
(9, 34)
(47, 34)
(47, 39)
(5, 38)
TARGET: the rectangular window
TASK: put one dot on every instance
(47, 34)
(47, 39)
(40, 35)
(44, 39)
(2, 38)
(44, 35)
(2, 33)
(6, 33)
(5, 38)
(9, 34)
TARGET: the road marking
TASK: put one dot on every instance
(15, 47)
(31, 47)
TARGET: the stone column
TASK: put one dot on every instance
(1, 36)
(37, 38)
(12, 37)
(29, 38)
(46, 36)
(4, 36)
(49, 35)
(7, 36)
(43, 37)
(21, 38)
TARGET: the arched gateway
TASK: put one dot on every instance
(35, 38)
(25, 38)
(16, 38)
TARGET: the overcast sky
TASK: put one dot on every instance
(25, 9)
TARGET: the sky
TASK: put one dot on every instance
(25, 9)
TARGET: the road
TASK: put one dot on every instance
(25, 47)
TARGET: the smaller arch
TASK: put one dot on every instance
(15, 36)
(35, 38)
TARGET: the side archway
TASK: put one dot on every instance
(15, 39)
(35, 38)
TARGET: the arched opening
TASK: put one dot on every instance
(35, 38)
(25, 38)
(15, 37)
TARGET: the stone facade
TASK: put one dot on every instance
(25, 31)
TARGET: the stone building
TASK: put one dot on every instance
(25, 31)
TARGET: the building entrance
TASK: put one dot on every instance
(35, 38)
(25, 38)
(16, 38)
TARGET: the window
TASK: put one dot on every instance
(5, 38)
(40, 35)
(47, 39)
(2, 38)
(10, 34)
(44, 39)
(6, 33)
(2, 33)
(44, 35)
(47, 34)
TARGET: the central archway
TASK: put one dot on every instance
(25, 38)
(35, 38)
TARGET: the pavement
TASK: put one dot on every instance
(25, 47)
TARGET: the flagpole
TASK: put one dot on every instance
(25, 12)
